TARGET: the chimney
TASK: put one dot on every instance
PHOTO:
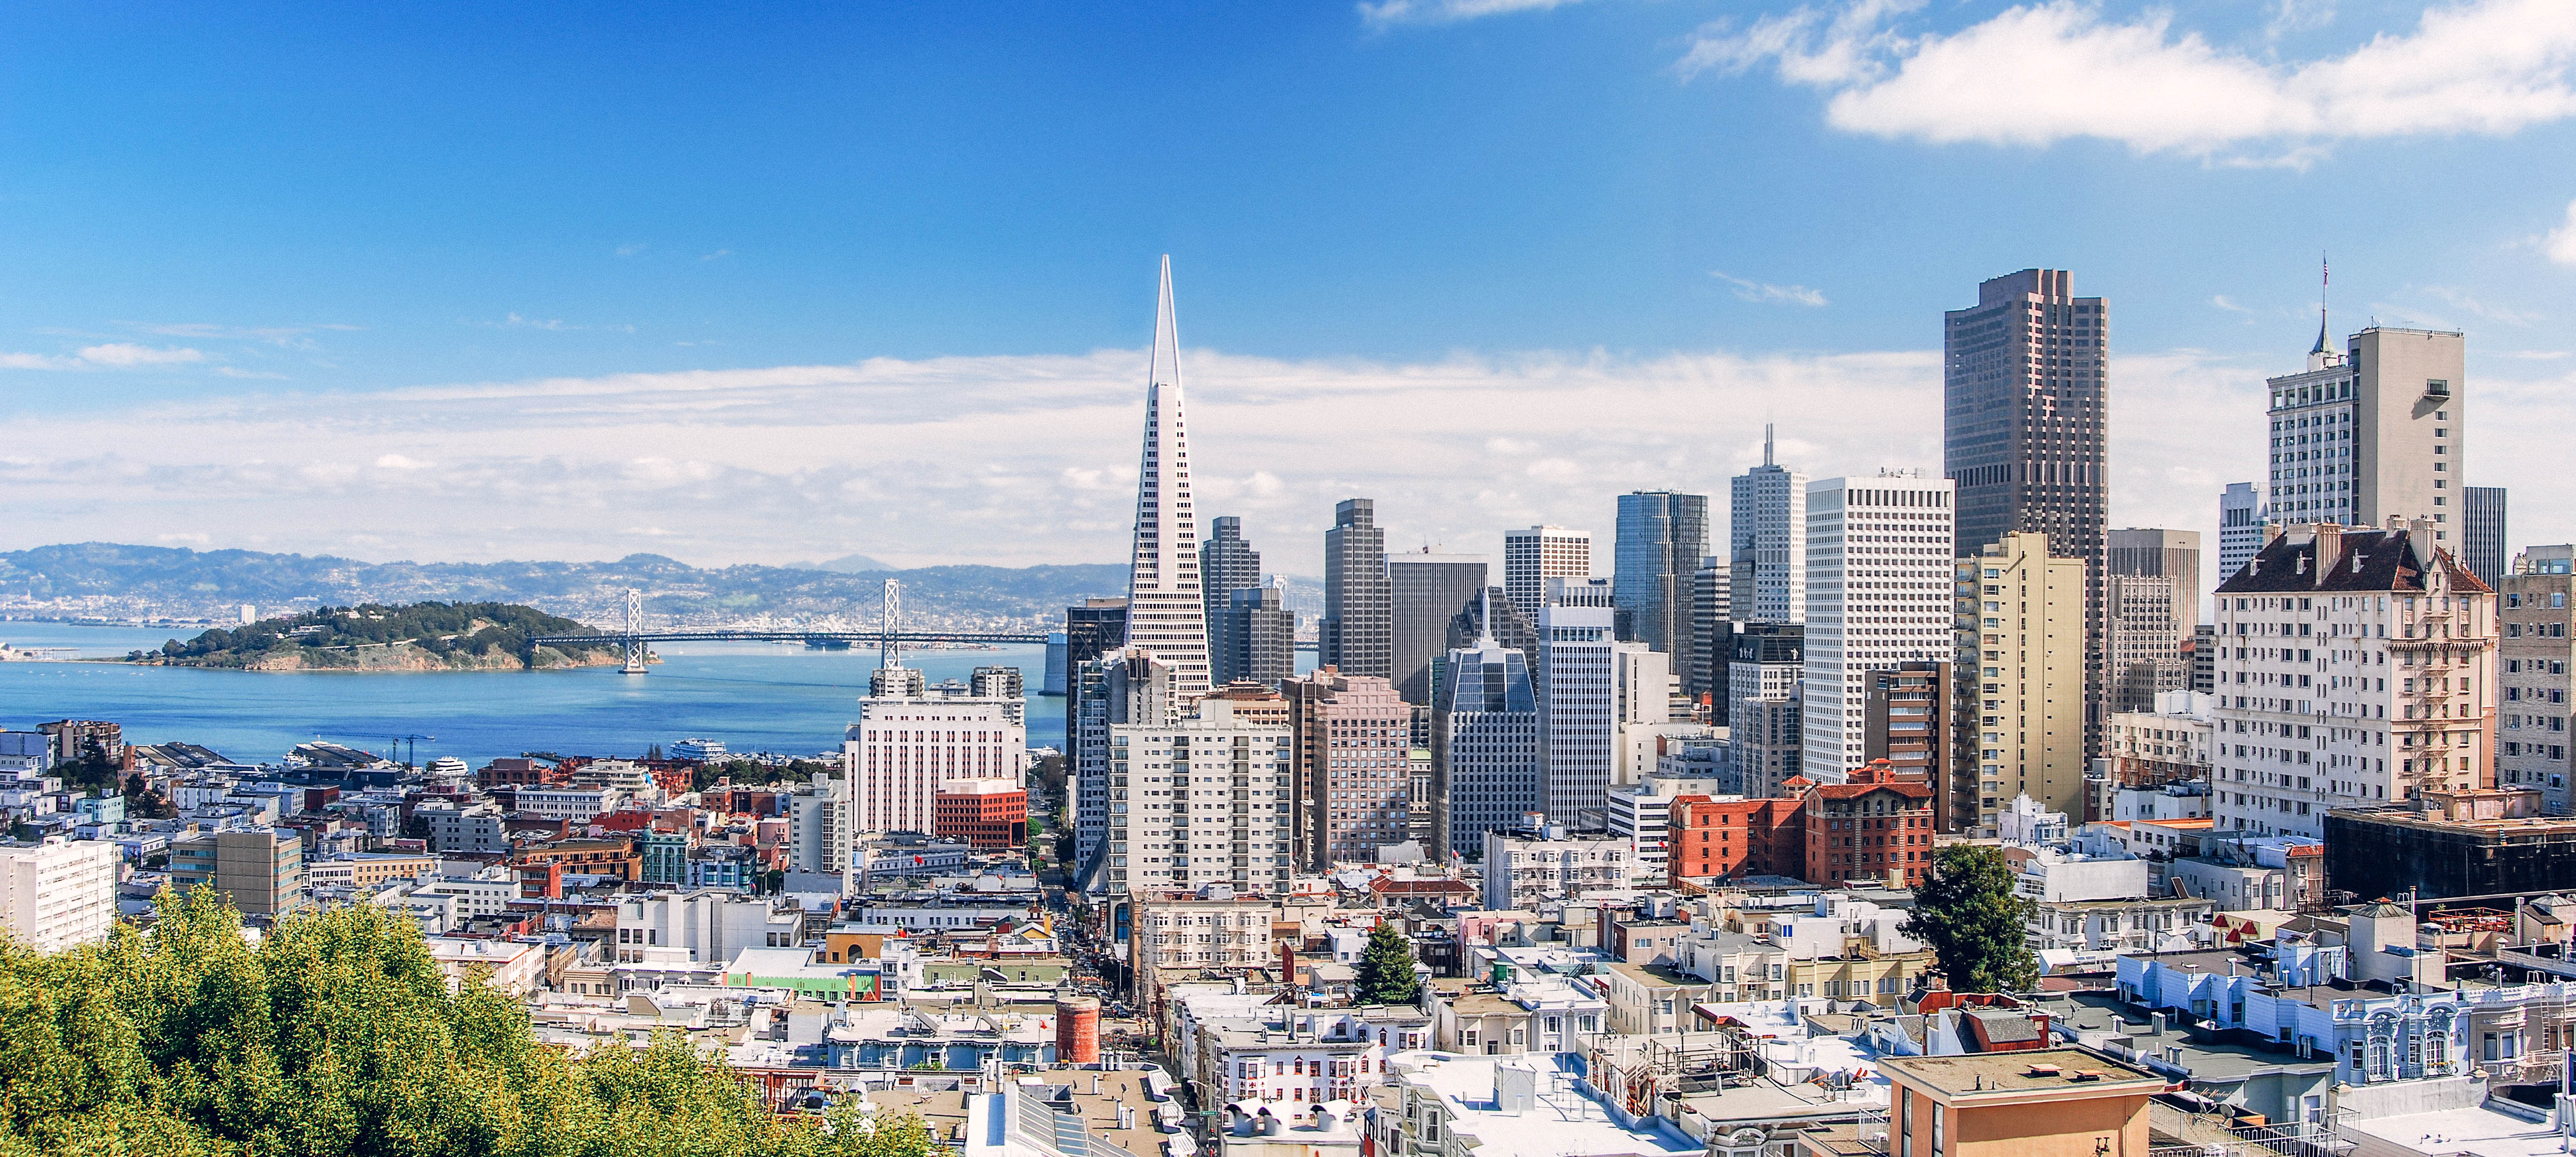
(2329, 550)
(2155, 1024)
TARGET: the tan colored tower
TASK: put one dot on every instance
(2021, 680)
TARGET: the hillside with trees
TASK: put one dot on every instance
(417, 637)
(337, 1035)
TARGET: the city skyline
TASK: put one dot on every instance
(583, 380)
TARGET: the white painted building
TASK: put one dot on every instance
(914, 740)
(1204, 800)
(709, 925)
(1524, 870)
(1578, 710)
(1641, 813)
(1880, 591)
(577, 804)
(59, 893)
(2356, 667)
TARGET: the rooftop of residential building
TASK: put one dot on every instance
(1562, 1117)
(2044, 1071)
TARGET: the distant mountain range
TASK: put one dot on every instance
(109, 580)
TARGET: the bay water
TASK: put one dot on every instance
(752, 696)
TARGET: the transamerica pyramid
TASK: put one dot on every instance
(1164, 611)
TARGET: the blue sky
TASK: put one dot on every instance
(578, 281)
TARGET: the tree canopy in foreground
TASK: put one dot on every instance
(337, 1035)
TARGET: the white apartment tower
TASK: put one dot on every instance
(2378, 431)
(1533, 556)
(1199, 801)
(58, 894)
(1880, 592)
(1767, 542)
(1578, 720)
(1166, 613)
(2355, 667)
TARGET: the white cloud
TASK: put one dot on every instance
(2560, 244)
(125, 355)
(2461, 299)
(2039, 74)
(1017, 460)
(1764, 291)
(720, 253)
(1447, 11)
(630, 249)
(2222, 301)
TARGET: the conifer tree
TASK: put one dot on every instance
(1966, 911)
(1386, 968)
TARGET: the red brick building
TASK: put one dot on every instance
(1878, 827)
(1878, 824)
(1711, 838)
(987, 814)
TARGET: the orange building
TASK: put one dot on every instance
(986, 814)
(2044, 1103)
(1711, 838)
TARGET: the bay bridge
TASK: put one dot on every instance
(890, 640)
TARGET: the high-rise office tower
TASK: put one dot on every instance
(1763, 673)
(2021, 654)
(1579, 591)
(1711, 626)
(1879, 593)
(1497, 617)
(2376, 432)
(1165, 613)
(1354, 735)
(1767, 542)
(2482, 536)
(2152, 592)
(2240, 528)
(1641, 711)
(1533, 556)
(1424, 592)
(1577, 690)
(1358, 630)
(1484, 743)
(2026, 416)
(1260, 636)
(2539, 668)
(2204, 658)
(1662, 536)
(897, 761)
(1226, 564)
(1099, 625)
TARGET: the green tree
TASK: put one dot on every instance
(1967, 912)
(338, 1034)
(1386, 968)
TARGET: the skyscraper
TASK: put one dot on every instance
(1533, 556)
(1358, 627)
(2152, 592)
(1165, 613)
(1356, 785)
(2375, 432)
(1712, 626)
(1484, 744)
(2025, 417)
(2240, 528)
(1661, 538)
(1767, 542)
(1763, 672)
(1425, 591)
(1175, 830)
(2021, 649)
(1879, 593)
(2482, 534)
(1226, 564)
(1260, 636)
(1577, 693)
